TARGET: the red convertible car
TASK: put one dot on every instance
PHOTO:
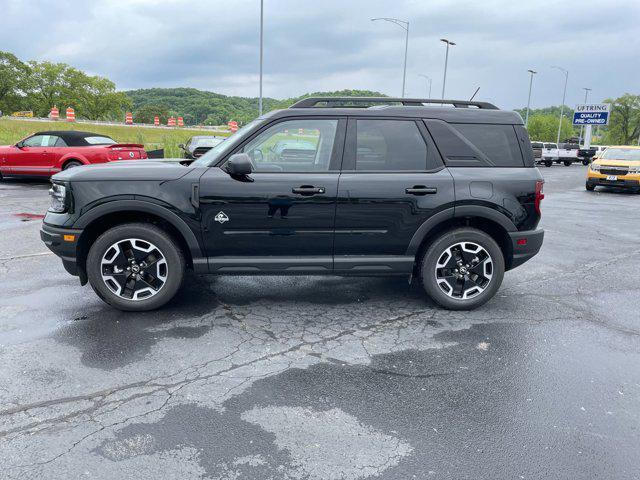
(46, 153)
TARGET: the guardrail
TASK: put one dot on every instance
(204, 128)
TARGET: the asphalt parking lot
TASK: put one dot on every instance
(326, 377)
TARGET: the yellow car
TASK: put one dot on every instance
(615, 167)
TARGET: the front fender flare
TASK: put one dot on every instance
(147, 207)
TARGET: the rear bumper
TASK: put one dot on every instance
(525, 245)
(63, 242)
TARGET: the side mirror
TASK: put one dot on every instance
(20, 144)
(239, 165)
(181, 145)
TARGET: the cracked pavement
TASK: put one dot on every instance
(328, 377)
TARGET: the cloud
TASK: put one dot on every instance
(312, 45)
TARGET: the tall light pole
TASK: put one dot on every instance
(564, 94)
(532, 72)
(586, 94)
(428, 78)
(405, 26)
(261, 35)
(446, 61)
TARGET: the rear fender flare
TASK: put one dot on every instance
(464, 211)
(71, 156)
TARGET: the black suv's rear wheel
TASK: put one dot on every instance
(135, 266)
(462, 269)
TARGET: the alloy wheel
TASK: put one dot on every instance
(464, 270)
(134, 269)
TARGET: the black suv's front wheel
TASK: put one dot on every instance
(462, 269)
(135, 267)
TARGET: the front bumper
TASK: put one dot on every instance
(631, 181)
(525, 245)
(64, 243)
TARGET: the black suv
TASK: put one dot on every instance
(377, 186)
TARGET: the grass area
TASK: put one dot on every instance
(152, 138)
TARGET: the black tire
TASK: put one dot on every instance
(589, 187)
(71, 164)
(145, 232)
(548, 163)
(437, 250)
(567, 163)
(585, 162)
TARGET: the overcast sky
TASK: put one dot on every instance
(319, 45)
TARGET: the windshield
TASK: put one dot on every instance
(632, 154)
(221, 149)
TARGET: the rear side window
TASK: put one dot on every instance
(497, 143)
(390, 146)
(477, 145)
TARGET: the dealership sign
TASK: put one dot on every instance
(591, 114)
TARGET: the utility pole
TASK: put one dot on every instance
(405, 26)
(586, 94)
(261, 43)
(564, 94)
(428, 78)
(446, 61)
(532, 72)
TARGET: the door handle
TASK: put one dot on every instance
(421, 190)
(307, 190)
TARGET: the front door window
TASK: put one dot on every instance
(294, 146)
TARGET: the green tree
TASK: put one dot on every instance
(624, 121)
(49, 86)
(14, 77)
(99, 99)
(146, 113)
(544, 128)
(92, 97)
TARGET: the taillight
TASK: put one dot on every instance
(539, 196)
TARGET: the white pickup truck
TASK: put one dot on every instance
(566, 153)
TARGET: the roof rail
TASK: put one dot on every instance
(337, 102)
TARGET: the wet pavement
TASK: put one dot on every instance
(327, 377)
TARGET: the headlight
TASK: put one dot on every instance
(595, 167)
(58, 196)
(634, 169)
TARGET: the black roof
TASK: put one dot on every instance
(457, 111)
(71, 134)
(73, 138)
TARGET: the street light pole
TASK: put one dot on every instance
(586, 94)
(446, 61)
(564, 94)
(532, 72)
(261, 42)
(405, 26)
(428, 78)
